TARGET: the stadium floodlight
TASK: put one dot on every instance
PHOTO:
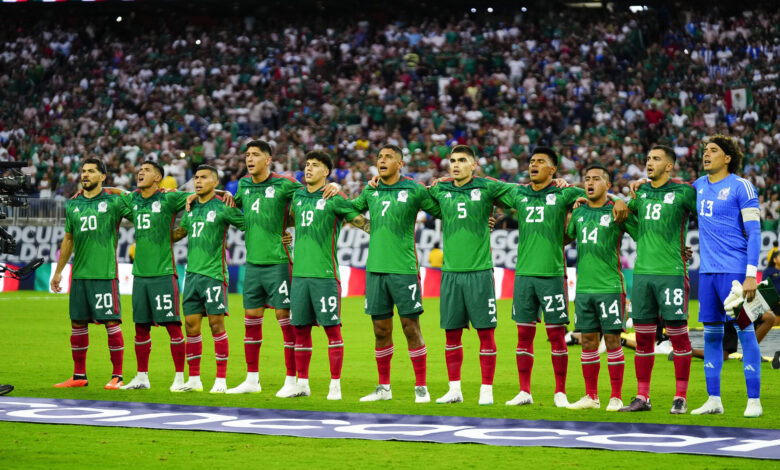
(637, 8)
(118, 19)
(473, 10)
(524, 9)
(197, 41)
(490, 9)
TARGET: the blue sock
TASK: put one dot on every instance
(751, 361)
(713, 357)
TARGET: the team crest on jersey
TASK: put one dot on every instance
(605, 219)
(211, 216)
(320, 204)
(269, 192)
(669, 198)
(550, 201)
(156, 206)
(403, 196)
(724, 194)
(103, 206)
(476, 194)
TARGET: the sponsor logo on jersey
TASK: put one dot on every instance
(286, 301)
(299, 203)
(169, 314)
(617, 322)
(211, 216)
(108, 312)
(525, 199)
(156, 206)
(448, 195)
(476, 194)
(669, 198)
(76, 210)
(334, 317)
(320, 204)
(417, 305)
(581, 219)
(678, 312)
(550, 200)
(643, 196)
(270, 191)
(103, 206)
(563, 315)
(189, 215)
(493, 319)
(749, 368)
(376, 194)
(246, 191)
(701, 191)
(605, 220)
(724, 194)
(221, 306)
(709, 366)
(135, 207)
(403, 196)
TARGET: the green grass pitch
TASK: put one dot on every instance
(36, 354)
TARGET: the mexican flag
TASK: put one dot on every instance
(738, 99)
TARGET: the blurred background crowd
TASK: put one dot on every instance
(598, 85)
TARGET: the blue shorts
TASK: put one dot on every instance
(713, 290)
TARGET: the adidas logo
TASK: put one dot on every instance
(701, 191)
(563, 315)
(375, 194)
(643, 196)
(709, 366)
(749, 368)
(246, 191)
(678, 312)
(493, 320)
(299, 203)
(135, 207)
(76, 210)
(334, 317)
(448, 195)
(525, 199)
(580, 219)
(108, 312)
(617, 322)
(221, 306)
(286, 301)
(417, 305)
(169, 314)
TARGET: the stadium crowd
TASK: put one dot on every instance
(597, 88)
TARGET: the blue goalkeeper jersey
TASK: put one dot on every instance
(723, 241)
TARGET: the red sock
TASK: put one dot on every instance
(525, 354)
(419, 359)
(116, 347)
(177, 345)
(681, 344)
(143, 345)
(616, 362)
(253, 338)
(288, 333)
(645, 358)
(79, 343)
(453, 353)
(335, 350)
(560, 355)
(383, 358)
(302, 350)
(194, 350)
(487, 354)
(221, 353)
(590, 371)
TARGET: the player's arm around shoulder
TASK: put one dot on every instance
(343, 208)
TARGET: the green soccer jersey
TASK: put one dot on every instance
(153, 218)
(542, 222)
(317, 226)
(94, 223)
(207, 225)
(598, 249)
(662, 223)
(464, 212)
(266, 207)
(393, 211)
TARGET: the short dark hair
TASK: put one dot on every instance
(464, 149)
(547, 151)
(730, 148)
(155, 165)
(396, 149)
(321, 157)
(101, 167)
(261, 144)
(599, 166)
(668, 151)
(209, 168)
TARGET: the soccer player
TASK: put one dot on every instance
(540, 281)
(600, 302)
(467, 289)
(729, 244)
(315, 295)
(91, 223)
(265, 197)
(662, 207)
(155, 281)
(392, 270)
(206, 283)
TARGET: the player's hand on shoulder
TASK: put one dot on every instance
(560, 183)
(634, 185)
(228, 199)
(190, 199)
(620, 211)
(374, 182)
(331, 189)
(579, 201)
(78, 193)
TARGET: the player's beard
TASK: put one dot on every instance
(89, 185)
